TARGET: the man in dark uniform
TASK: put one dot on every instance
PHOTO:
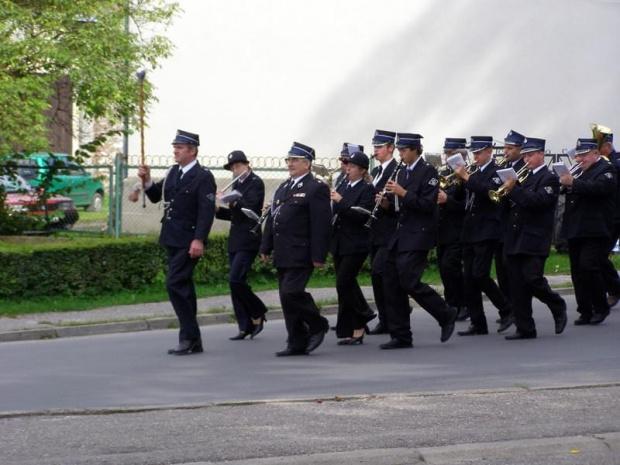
(513, 158)
(481, 231)
(528, 240)
(243, 244)
(188, 195)
(588, 225)
(415, 204)
(298, 232)
(385, 225)
(610, 274)
(449, 225)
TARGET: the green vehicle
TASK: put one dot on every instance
(70, 180)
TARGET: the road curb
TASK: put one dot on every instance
(151, 324)
(565, 449)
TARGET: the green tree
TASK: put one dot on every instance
(43, 42)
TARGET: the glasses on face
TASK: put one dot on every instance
(293, 160)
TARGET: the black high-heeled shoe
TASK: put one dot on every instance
(356, 340)
(344, 342)
(240, 336)
(259, 327)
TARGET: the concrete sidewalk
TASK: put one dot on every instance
(160, 315)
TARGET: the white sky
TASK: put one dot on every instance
(256, 75)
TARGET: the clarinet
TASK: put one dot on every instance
(375, 210)
(338, 184)
(260, 221)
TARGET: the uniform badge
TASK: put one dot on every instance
(609, 175)
(299, 184)
(299, 194)
(549, 190)
(497, 181)
(211, 197)
(278, 202)
(433, 182)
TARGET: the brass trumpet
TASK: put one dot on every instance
(496, 196)
(452, 179)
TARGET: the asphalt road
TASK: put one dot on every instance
(129, 370)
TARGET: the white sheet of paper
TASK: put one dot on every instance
(455, 160)
(230, 196)
(508, 173)
(560, 168)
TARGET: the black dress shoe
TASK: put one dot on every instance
(187, 347)
(519, 335)
(473, 331)
(241, 335)
(583, 320)
(258, 327)
(560, 322)
(505, 322)
(379, 329)
(396, 344)
(448, 328)
(598, 318)
(463, 314)
(288, 352)
(315, 340)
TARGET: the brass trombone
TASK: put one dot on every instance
(497, 195)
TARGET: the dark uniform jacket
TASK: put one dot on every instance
(532, 214)
(349, 235)
(189, 208)
(298, 228)
(241, 236)
(589, 207)
(482, 218)
(417, 211)
(450, 214)
(383, 227)
(614, 159)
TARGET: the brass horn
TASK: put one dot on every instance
(599, 133)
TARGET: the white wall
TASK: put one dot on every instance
(257, 74)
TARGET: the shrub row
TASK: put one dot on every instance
(93, 266)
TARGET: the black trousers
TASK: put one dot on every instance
(301, 315)
(501, 270)
(526, 276)
(610, 274)
(353, 310)
(180, 287)
(402, 278)
(246, 304)
(450, 263)
(587, 259)
(477, 260)
(378, 254)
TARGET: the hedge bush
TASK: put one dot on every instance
(71, 266)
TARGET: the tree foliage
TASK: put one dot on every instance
(43, 42)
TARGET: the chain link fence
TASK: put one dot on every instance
(119, 215)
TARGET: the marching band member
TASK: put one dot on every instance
(449, 225)
(528, 240)
(383, 228)
(587, 225)
(188, 195)
(481, 231)
(513, 158)
(298, 233)
(415, 204)
(350, 249)
(243, 245)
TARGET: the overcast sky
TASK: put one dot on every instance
(256, 75)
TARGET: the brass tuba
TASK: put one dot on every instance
(599, 133)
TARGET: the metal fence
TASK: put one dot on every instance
(120, 216)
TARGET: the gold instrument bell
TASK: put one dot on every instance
(497, 195)
(599, 133)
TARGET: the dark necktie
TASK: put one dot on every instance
(288, 187)
(179, 176)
